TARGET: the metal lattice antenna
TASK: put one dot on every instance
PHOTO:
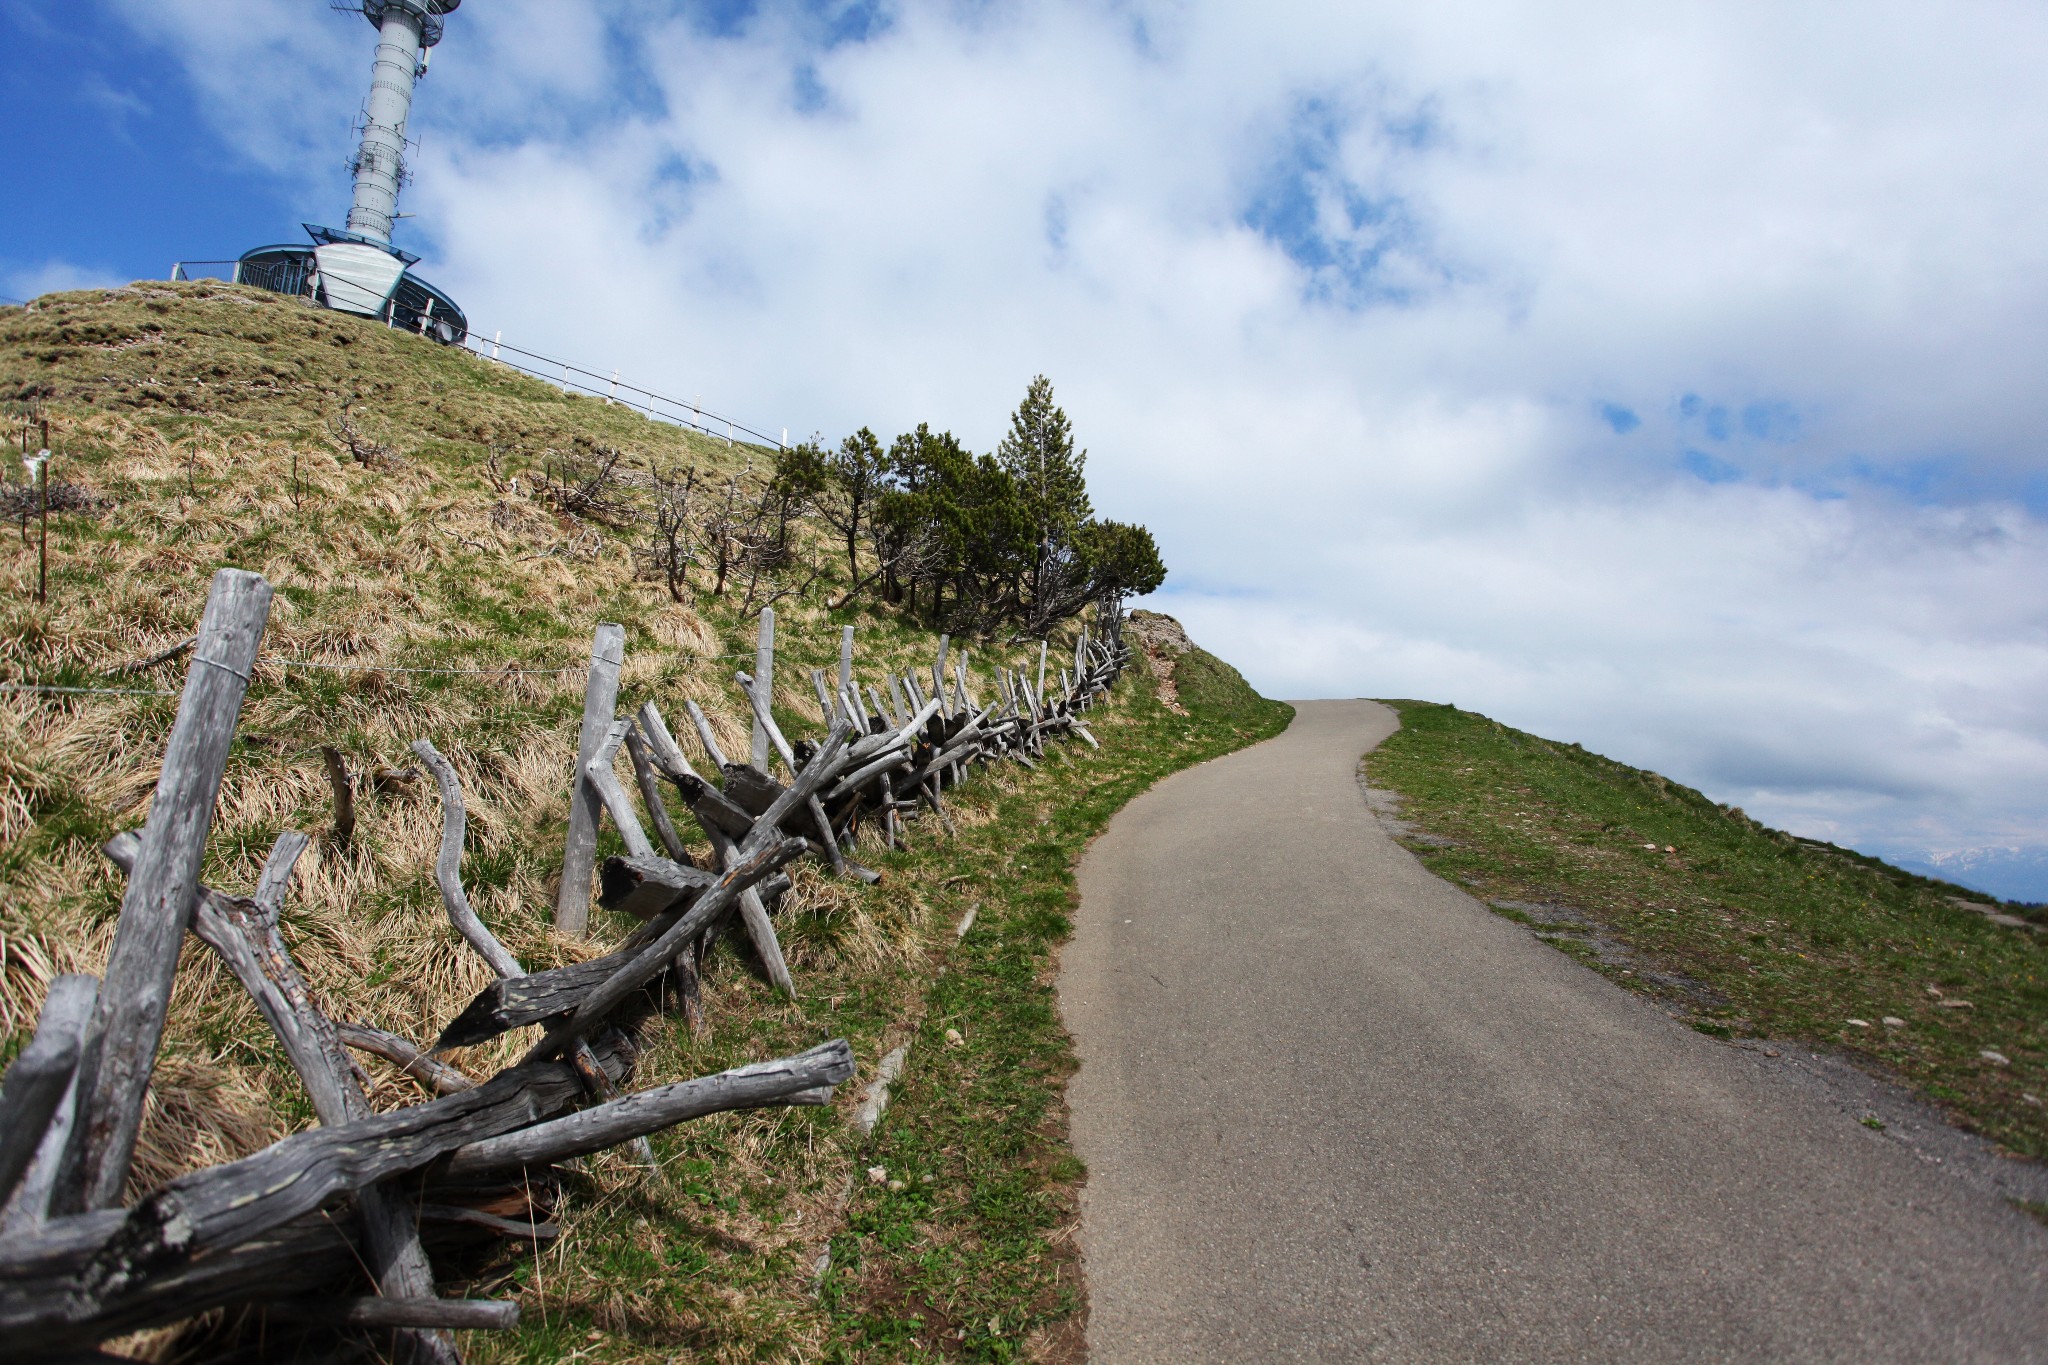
(406, 29)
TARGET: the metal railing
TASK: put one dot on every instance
(613, 390)
(560, 373)
(230, 271)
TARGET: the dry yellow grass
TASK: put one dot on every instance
(200, 418)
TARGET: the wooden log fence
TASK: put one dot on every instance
(330, 1226)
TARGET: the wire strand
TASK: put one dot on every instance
(493, 669)
(86, 691)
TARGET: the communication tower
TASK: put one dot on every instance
(356, 269)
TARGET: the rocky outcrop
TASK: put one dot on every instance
(1163, 641)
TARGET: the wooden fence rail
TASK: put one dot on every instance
(333, 1225)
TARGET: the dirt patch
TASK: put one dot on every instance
(18, 500)
(1386, 808)
(1162, 641)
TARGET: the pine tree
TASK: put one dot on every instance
(1039, 454)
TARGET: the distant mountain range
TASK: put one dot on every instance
(2013, 874)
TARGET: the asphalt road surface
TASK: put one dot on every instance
(1333, 1109)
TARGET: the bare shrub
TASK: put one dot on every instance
(362, 449)
(585, 484)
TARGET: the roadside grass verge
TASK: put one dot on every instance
(963, 1248)
(1743, 931)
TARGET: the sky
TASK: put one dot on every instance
(1663, 378)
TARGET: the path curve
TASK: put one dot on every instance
(1333, 1109)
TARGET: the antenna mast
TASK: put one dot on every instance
(357, 269)
(405, 30)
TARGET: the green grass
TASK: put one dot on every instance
(712, 1257)
(1747, 931)
(967, 1260)
(1211, 688)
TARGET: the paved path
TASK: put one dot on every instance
(1335, 1110)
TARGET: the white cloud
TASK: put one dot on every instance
(282, 81)
(1369, 472)
(25, 282)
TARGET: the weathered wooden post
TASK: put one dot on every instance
(579, 854)
(939, 678)
(764, 683)
(845, 657)
(128, 1021)
(248, 942)
(40, 1076)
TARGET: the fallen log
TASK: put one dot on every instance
(309, 1255)
(437, 1076)
(516, 1002)
(712, 807)
(755, 791)
(752, 790)
(72, 1273)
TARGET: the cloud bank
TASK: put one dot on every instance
(1659, 378)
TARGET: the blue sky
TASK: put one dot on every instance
(117, 170)
(1660, 378)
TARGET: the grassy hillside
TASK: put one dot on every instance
(1746, 931)
(398, 495)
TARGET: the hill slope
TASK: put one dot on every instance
(418, 509)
